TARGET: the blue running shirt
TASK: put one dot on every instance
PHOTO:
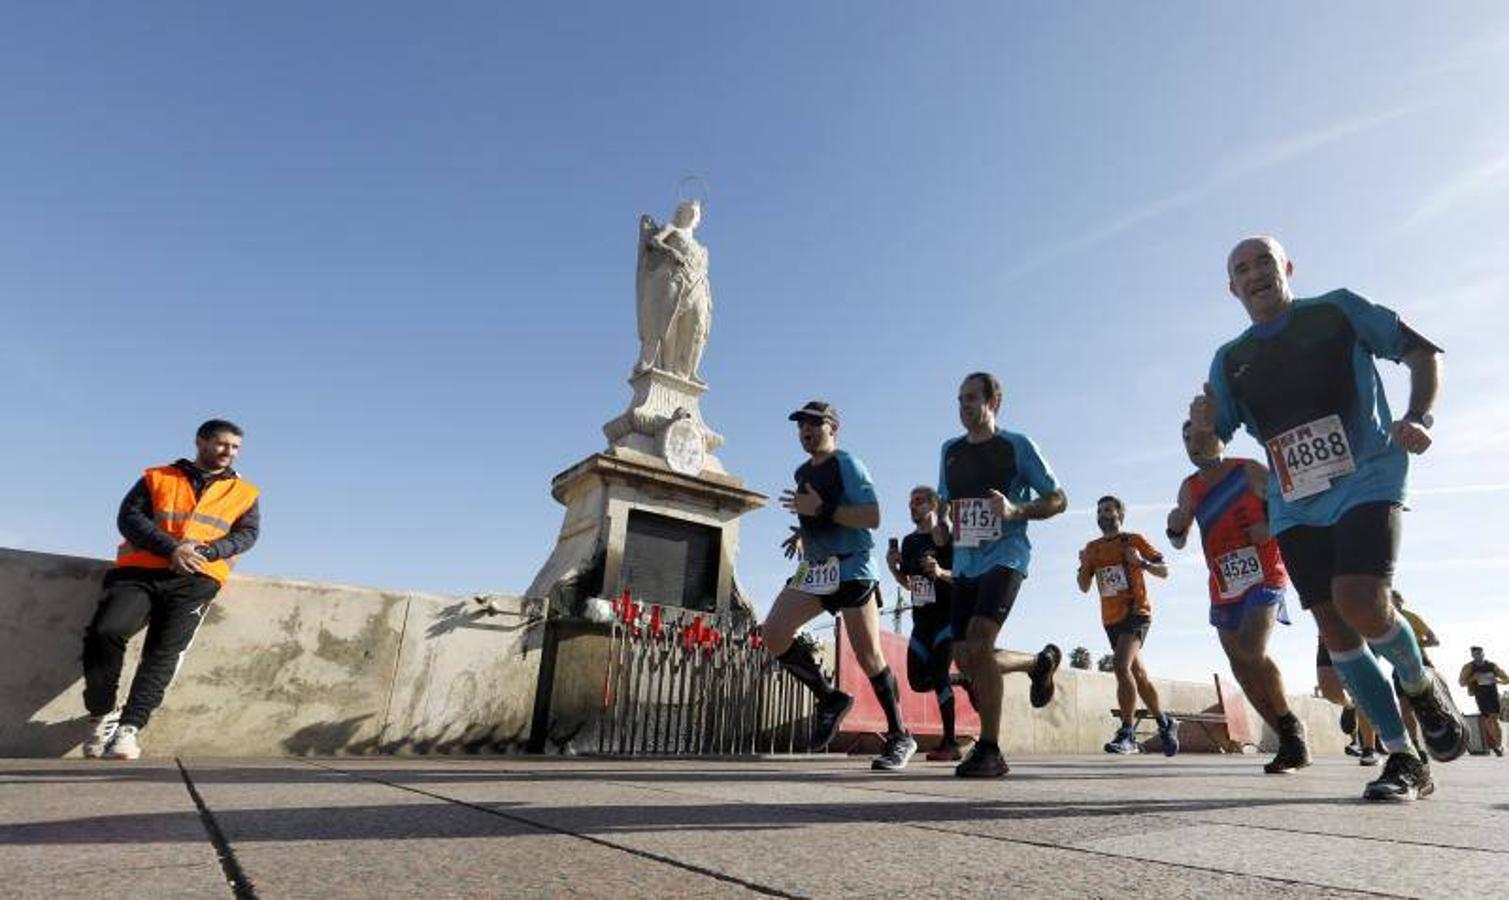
(1305, 385)
(841, 480)
(1009, 463)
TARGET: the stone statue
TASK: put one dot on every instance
(674, 300)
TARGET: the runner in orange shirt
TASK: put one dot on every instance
(1115, 562)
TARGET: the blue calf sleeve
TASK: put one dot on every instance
(1359, 672)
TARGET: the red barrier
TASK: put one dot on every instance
(1238, 726)
(918, 711)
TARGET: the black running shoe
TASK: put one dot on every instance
(827, 717)
(1441, 723)
(1042, 675)
(1400, 782)
(982, 763)
(1349, 720)
(1293, 753)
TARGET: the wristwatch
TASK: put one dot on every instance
(1424, 420)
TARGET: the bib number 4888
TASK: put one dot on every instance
(1306, 458)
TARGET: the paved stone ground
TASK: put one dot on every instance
(1195, 826)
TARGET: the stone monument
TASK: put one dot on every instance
(655, 513)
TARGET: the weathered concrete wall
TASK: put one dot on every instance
(287, 667)
(1079, 719)
(278, 667)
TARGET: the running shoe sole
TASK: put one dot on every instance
(1453, 750)
(993, 771)
(1042, 675)
(1381, 795)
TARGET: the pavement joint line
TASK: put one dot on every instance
(235, 877)
(553, 829)
(1278, 828)
(1042, 844)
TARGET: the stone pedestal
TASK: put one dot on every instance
(601, 494)
(656, 492)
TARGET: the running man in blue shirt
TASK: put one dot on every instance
(836, 506)
(1302, 381)
(988, 477)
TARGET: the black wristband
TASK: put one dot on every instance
(1175, 535)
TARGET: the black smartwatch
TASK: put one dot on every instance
(1424, 420)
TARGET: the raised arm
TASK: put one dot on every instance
(1181, 518)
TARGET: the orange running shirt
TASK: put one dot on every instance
(1119, 582)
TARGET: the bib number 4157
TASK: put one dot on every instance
(975, 523)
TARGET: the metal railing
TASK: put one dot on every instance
(683, 683)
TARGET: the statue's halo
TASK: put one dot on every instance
(693, 188)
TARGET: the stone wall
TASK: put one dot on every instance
(289, 667)
(279, 667)
(1079, 719)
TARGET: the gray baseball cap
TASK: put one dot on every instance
(816, 409)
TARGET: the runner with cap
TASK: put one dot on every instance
(836, 508)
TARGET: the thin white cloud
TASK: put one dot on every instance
(1293, 148)
(1489, 177)
(1467, 562)
(1261, 159)
(1490, 49)
(1460, 489)
(1166, 505)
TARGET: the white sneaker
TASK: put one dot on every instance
(124, 745)
(101, 730)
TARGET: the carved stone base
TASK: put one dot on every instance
(658, 395)
(602, 493)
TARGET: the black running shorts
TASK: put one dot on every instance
(1136, 626)
(990, 595)
(850, 595)
(1364, 541)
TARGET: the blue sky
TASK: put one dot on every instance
(396, 242)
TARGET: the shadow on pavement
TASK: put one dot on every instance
(442, 819)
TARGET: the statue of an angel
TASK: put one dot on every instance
(674, 300)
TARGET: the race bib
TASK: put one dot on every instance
(1112, 580)
(1239, 570)
(975, 523)
(820, 579)
(923, 591)
(1306, 458)
(1486, 679)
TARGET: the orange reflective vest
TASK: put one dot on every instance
(177, 512)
